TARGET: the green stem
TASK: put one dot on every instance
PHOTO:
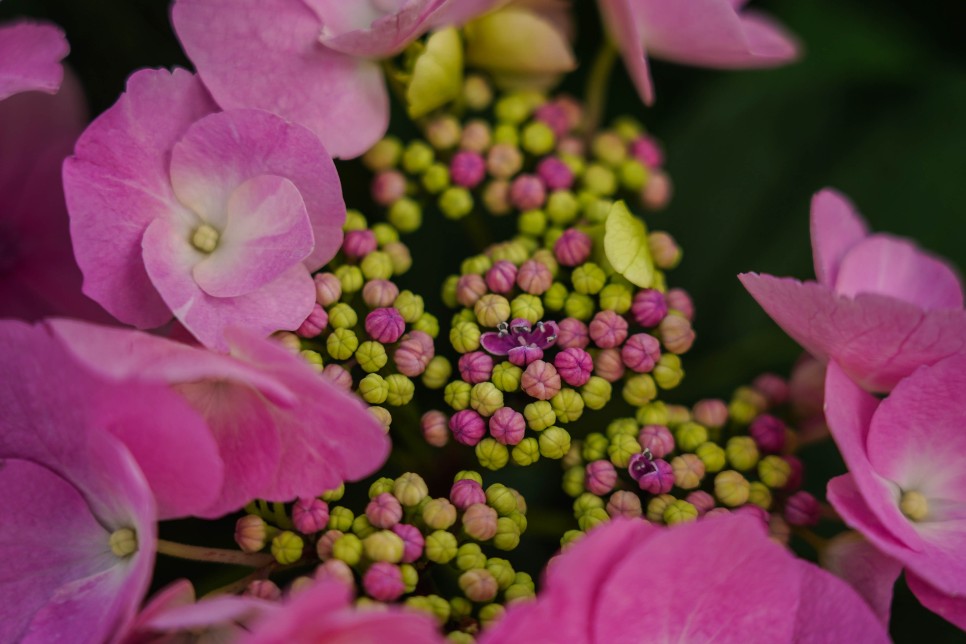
(281, 519)
(213, 555)
(595, 93)
(816, 542)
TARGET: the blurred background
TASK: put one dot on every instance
(876, 109)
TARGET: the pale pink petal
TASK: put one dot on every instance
(266, 54)
(867, 569)
(769, 42)
(876, 339)
(176, 594)
(267, 232)
(363, 29)
(219, 618)
(949, 607)
(30, 55)
(830, 611)
(836, 227)
(117, 182)
(896, 267)
(280, 305)
(619, 18)
(221, 152)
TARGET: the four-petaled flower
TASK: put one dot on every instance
(519, 342)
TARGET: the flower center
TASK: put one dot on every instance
(205, 238)
(914, 505)
(124, 542)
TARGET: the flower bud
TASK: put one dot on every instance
(622, 449)
(526, 452)
(712, 455)
(456, 202)
(649, 307)
(657, 439)
(572, 248)
(465, 493)
(768, 433)
(592, 518)
(676, 333)
(528, 307)
(501, 277)
(383, 545)
(467, 169)
(492, 454)
(679, 300)
(388, 187)
(470, 556)
(361, 526)
(478, 585)
(596, 392)
(384, 511)
(350, 277)
(742, 453)
(383, 582)
(701, 500)
(802, 509)
(373, 389)
(609, 365)
(457, 394)
(507, 426)
(760, 495)
(385, 325)
(654, 476)
(527, 192)
(641, 352)
(540, 380)
(252, 533)
(342, 316)
(328, 289)
(263, 589)
(340, 518)
(574, 366)
(580, 306)
(496, 197)
(639, 390)
(653, 413)
(323, 547)
(287, 547)
(668, 372)
(664, 250)
(657, 506)
(600, 477)
(534, 277)
(588, 279)
(567, 405)
(400, 390)
(539, 415)
(624, 504)
(503, 161)
(338, 376)
(688, 471)
(679, 512)
(731, 488)
(414, 353)
(479, 522)
(439, 514)
(486, 399)
(440, 547)
(315, 324)
(410, 489)
(774, 471)
(467, 426)
(712, 413)
(507, 534)
(465, 337)
(506, 376)
(310, 515)
(383, 155)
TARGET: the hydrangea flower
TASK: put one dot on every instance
(629, 580)
(215, 218)
(30, 55)
(906, 486)
(881, 307)
(519, 342)
(706, 33)
(316, 62)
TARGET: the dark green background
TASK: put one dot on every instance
(875, 109)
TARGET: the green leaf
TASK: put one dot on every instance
(626, 247)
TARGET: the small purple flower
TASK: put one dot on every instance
(572, 248)
(507, 426)
(656, 439)
(649, 307)
(768, 433)
(575, 366)
(359, 243)
(467, 169)
(465, 493)
(413, 541)
(475, 367)
(555, 174)
(653, 475)
(519, 342)
(467, 427)
(527, 192)
(385, 325)
(502, 277)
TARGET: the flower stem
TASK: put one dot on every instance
(213, 555)
(595, 93)
(818, 543)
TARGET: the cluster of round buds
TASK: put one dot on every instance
(365, 333)
(671, 464)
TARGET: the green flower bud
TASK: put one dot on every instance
(596, 392)
(376, 266)
(417, 157)
(506, 133)
(491, 309)
(526, 452)
(586, 502)
(712, 455)
(501, 498)
(383, 545)
(287, 547)
(398, 253)
(385, 234)
(511, 251)
(348, 548)
(506, 376)
(554, 442)
(622, 447)
(759, 494)
(668, 372)
(354, 220)
(731, 488)
(475, 265)
(460, 608)
(468, 475)
(507, 534)
(314, 358)
(551, 236)
(331, 496)
(562, 207)
(469, 556)
(428, 324)
(436, 178)
(465, 337)
(595, 447)
(742, 412)
(592, 518)
(439, 514)
(774, 471)
(513, 109)
(537, 138)
(502, 571)
(609, 148)
(401, 390)
(485, 398)
(477, 93)
(410, 577)
(539, 415)
(616, 297)
(384, 155)
(679, 511)
(580, 306)
(406, 215)
(463, 315)
(555, 297)
(689, 436)
(342, 316)
(633, 175)
(653, 413)
(491, 454)
(478, 585)
(524, 579)
(409, 305)
(381, 485)
(457, 394)
(371, 356)
(639, 389)
(437, 372)
(526, 306)
(567, 405)
(518, 592)
(573, 481)
(589, 279)
(599, 180)
(409, 489)
(596, 210)
(570, 537)
(456, 202)
(373, 389)
(361, 526)
(441, 608)
(742, 452)
(440, 547)
(532, 222)
(622, 426)
(382, 415)
(657, 506)
(342, 344)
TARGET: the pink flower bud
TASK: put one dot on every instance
(572, 145)
(379, 293)
(649, 307)
(467, 426)
(310, 515)
(383, 582)
(712, 413)
(359, 243)
(385, 325)
(701, 500)
(752, 510)
(384, 511)
(555, 117)
(475, 367)
(413, 541)
(600, 477)
(323, 546)
(573, 108)
(504, 160)
(466, 493)
(476, 136)
(655, 476)
(314, 324)
(664, 249)
(534, 277)
(555, 174)
(641, 352)
(572, 333)
(676, 333)
(574, 365)
(251, 533)
(338, 375)
(388, 187)
(773, 387)
(469, 289)
(608, 329)
(609, 365)
(480, 521)
(768, 433)
(802, 509)
(540, 380)
(502, 277)
(414, 352)
(797, 474)
(433, 426)
(479, 585)
(572, 248)
(507, 426)
(657, 191)
(467, 169)
(336, 569)
(527, 192)
(648, 151)
(717, 512)
(496, 197)
(264, 589)
(656, 438)
(623, 503)
(679, 300)
(328, 289)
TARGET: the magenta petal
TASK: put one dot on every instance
(499, 344)
(361, 29)
(830, 611)
(867, 569)
(619, 18)
(265, 54)
(897, 268)
(949, 607)
(267, 232)
(30, 55)
(117, 182)
(836, 227)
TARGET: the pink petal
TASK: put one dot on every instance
(30, 55)
(876, 339)
(836, 227)
(949, 607)
(870, 572)
(267, 231)
(895, 267)
(266, 54)
(459, 12)
(363, 29)
(619, 18)
(117, 182)
(221, 614)
(831, 611)
(281, 304)
(221, 152)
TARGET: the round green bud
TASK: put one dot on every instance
(539, 415)
(742, 452)
(383, 545)
(361, 526)
(633, 175)
(428, 324)
(376, 266)
(742, 412)
(524, 579)
(460, 607)
(653, 413)
(341, 344)
(774, 471)
(570, 537)
(409, 305)
(567, 405)
(609, 148)
(381, 485)
(348, 548)
(331, 496)
(441, 608)
(373, 389)
(616, 297)
(465, 337)
(596, 392)
(475, 265)
(350, 277)
(354, 220)
(287, 547)
(492, 454)
(502, 571)
(406, 215)
(448, 292)
(622, 426)
(491, 310)
(562, 207)
(471, 475)
(314, 358)
(518, 592)
(586, 502)
(689, 436)
(469, 556)
(580, 306)
(513, 251)
(417, 157)
(595, 447)
(400, 390)
(731, 488)
(436, 178)
(575, 163)
(573, 481)
(485, 398)
(501, 498)
(596, 210)
(477, 94)
(478, 585)
(527, 306)
(712, 455)
(371, 356)
(385, 234)
(342, 316)
(656, 507)
(679, 511)
(627, 128)
(551, 236)
(399, 254)
(592, 518)
(668, 372)
(490, 614)
(440, 547)
(439, 514)
(621, 448)
(639, 389)
(463, 315)
(382, 415)
(532, 222)
(599, 180)
(506, 376)
(537, 138)
(457, 394)
(456, 202)
(384, 155)
(437, 372)
(588, 279)
(555, 297)
(759, 494)
(410, 577)
(554, 442)
(507, 534)
(409, 489)
(513, 109)
(526, 452)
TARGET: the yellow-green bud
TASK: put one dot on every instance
(380, 486)
(428, 324)
(342, 316)
(596, 392)
(485, 398)
(439, 514)
(633, 175)
(491, 309)
(373, 389)
(511, 251)
(712, 455)
(331, 496)
(287, 547)
(507, 534)
(518, 592)
(501, 498)
(532, 222)
(657, 506)
(621, 448)
(537, 138)
(348, 548)
(555, 297)
(668, 372)
(506, 377)
(457, 394)
(371, 356)
(491, 454)
(342, 344)
(399, 254)
(588, 279)
(595, 447)
(440, 547)
(539, 415)
(689, 436)
(742, 452)
(376, 266)
(383, 155)
(436, 178)
(470, 475)
(410, 577)
(361, 526)
(417, 157)
(460, 607)
(599, 180)
(478, 585)
(570, 537)
(580, 306)
(554, 442)
(586, 502)
(448, 292)
(526, 306)
(596, 209)
(314, 358)
(385, 233)
(622, 426)
(679, 511)
(742, 412)
(409, 489)
(354, 220)
(409, 305)
(350, 277)
(731, 488)
(526, 452)
(774, 471)
(567, 405)
(616, 297)
(639, 389)
(653, 413)
(382, 415)
(759, 494)
(502, 571)
(437, 372)
(562, 207)
(465, 337)
(627, 128)
(470, 556)
(475, 265)
(456, 202)
(573, 481)
(383, 545)
(592, 518)
(400, 390)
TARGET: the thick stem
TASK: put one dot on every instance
(213, 555)
(595, 94)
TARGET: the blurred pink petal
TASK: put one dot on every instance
(873, 574)
(946, 606)
(371, 29)
(30, 55)
(836, 227)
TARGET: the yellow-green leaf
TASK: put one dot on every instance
(626, 247)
